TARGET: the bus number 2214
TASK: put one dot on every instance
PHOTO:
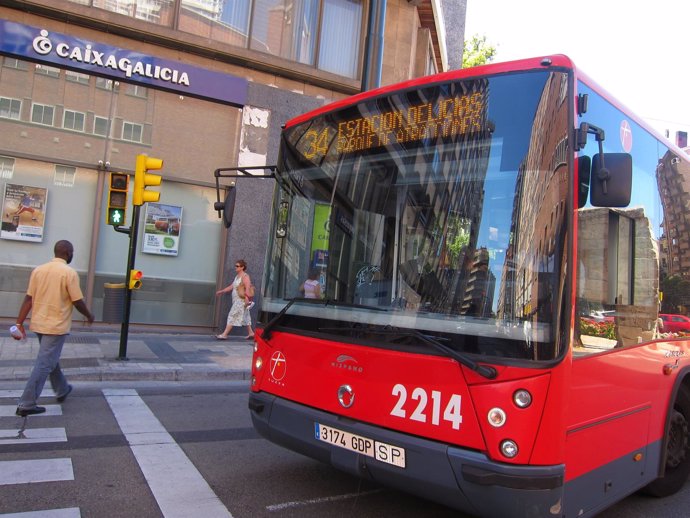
(451, 413)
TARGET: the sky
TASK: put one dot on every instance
(638, 52)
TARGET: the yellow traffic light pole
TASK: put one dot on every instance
(142, 179)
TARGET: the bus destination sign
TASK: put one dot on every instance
(443, 117)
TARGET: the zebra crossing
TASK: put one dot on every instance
(178, 488)
(33, 471)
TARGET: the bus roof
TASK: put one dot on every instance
(557, 60)
(551, 61)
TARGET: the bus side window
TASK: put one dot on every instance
(618, 246)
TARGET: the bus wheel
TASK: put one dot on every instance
(677, 449)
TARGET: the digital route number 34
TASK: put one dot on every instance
(317, 143)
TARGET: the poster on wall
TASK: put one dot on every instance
(23, 212)
(162, 225)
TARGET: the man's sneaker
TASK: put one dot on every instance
(60, 399)
(23, 412)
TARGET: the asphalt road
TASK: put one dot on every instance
(203, 459)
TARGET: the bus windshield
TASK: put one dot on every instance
(438, 209)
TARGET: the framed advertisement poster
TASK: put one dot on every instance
(162, 224)
(23, 212)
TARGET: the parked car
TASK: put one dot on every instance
(602, 316)
(675, 323)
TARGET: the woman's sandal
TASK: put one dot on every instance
(249, 337)
(221, 337)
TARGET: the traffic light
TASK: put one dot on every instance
(142, 179)
(135, 279)
(117, 199)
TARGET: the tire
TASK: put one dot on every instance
(677, 467)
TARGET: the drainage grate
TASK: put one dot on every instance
(82, 340)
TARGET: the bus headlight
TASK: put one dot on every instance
(509, 448)
(496, 417)
(522, 398)
(258, 363)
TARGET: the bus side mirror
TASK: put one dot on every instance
(227, 207)
(611, 180)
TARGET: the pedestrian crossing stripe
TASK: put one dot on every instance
(32, 435)
(178, 487)
(32, 471)
(16, 394)
(51, 410)
(69, 512)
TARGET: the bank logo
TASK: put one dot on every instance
(88, 55)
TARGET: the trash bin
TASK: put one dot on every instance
(113, 302)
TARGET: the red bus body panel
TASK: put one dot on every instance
(310, 371)
(618, 402)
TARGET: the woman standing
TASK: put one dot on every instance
(239, 311)
(311, 287)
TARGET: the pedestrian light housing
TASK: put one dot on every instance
(135, 279)
(142, 179)
(118, 186)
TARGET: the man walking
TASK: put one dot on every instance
(53, 290)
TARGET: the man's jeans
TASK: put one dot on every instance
(47, 364)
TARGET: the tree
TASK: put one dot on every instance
(477, 51)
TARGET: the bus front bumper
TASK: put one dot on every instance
(462, 479)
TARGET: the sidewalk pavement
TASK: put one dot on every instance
(92, 356)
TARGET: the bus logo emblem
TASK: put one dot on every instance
(626, 136)
(346, 396)
(347, 363)
(278, 366)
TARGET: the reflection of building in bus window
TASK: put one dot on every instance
(674, 188)
(618, 278)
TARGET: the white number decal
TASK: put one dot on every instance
(436, 409)
(419, 394)
(452, 412)
(401, 392)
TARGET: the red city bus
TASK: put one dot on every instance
(467, 231)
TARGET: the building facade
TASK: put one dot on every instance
(87, 85)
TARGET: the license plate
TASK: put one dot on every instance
(380, 451)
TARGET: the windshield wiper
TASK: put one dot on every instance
(482, 370)
(266, 334)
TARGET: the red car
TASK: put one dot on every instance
(675, 323)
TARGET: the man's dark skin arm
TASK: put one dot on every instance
(81, 307)
(27, 303)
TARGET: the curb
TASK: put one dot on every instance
(148, 375)
(162, 375)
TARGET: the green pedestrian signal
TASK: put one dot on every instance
(116, 216)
